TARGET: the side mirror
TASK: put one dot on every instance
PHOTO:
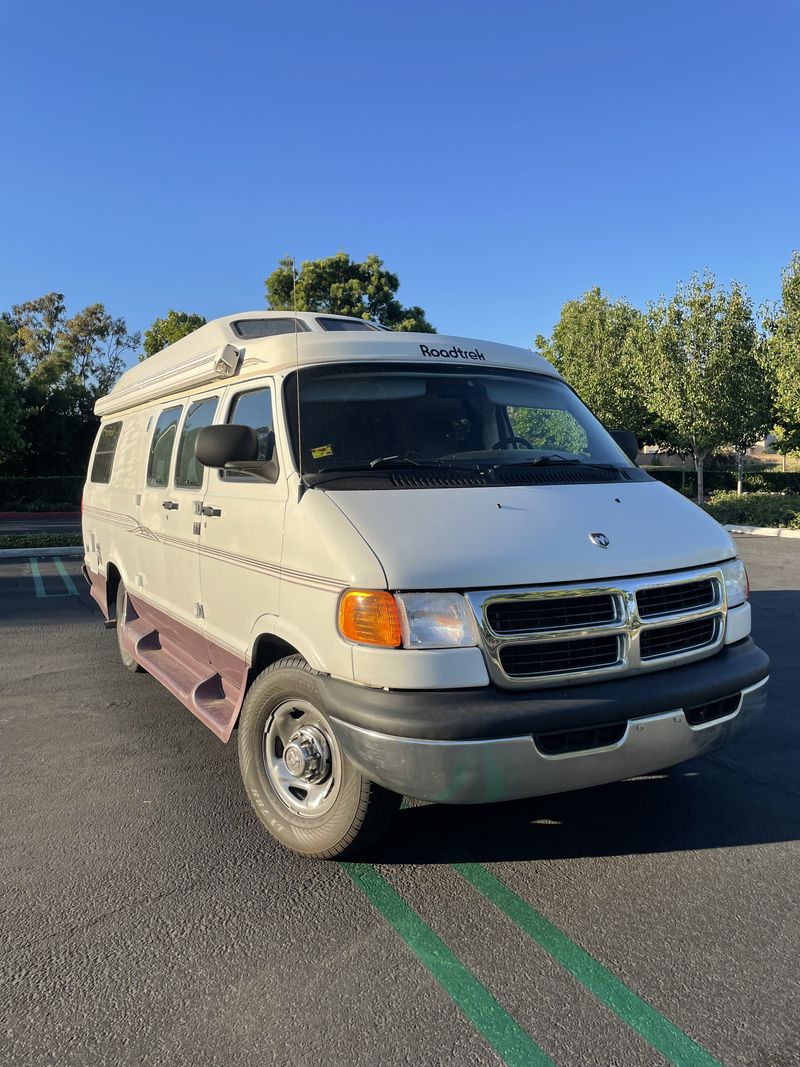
(235, 448)
(627, 442)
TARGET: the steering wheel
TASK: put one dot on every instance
(512, 439)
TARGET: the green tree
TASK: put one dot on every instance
(10, 395)
(596, 345)
(549, 428)
(339, 285)
(701, 372)
(166, 331)
(63, 365)
(782, 354)
(786, 441)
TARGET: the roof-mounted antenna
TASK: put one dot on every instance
(302, 486)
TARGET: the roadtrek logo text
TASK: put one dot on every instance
(451, 353)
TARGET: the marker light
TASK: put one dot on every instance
(369, 617)
(737, 586)
(436, 620)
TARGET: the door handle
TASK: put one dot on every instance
(170, 505)
(209, 511)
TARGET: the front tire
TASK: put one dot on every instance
(302, 786)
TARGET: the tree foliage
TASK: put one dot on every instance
(782, 354)
(62, 364)
(10, 395)
(701, 371)
(549, 428)
(786, 440)
(595, 345)
(339, 285)
(166, 331)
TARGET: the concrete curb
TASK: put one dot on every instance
(17, 553)
(762, 531)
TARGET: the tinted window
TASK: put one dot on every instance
(161, 446)
(104, 454)
(345, 324)
(252, 328)
(253, 409)
(188, 470)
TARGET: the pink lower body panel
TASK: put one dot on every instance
(97, 589)
(208, 679)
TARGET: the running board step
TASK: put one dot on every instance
(210, 697)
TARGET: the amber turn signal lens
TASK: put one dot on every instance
(369, 618)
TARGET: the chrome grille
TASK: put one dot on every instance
(667, 640)
(567, 634)
(560, 657)
(671, 599)
(572, 612)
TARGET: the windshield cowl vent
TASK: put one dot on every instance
(555, 475)
(510, 475)
(454, 480)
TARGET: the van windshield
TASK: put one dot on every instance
(390, 415)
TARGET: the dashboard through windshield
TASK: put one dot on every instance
(379, 415)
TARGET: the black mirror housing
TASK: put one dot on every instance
(235, 448)
(216, 446)
(266, 469)
(627, 442)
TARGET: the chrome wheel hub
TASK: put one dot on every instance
(307, 755)
(301, 758)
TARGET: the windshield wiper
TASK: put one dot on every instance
(384, 462)
(558, 461)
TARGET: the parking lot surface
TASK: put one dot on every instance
(148, 919)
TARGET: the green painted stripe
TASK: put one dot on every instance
(36, 574)
(663, 1035)
(68, 582)
(491, 1021)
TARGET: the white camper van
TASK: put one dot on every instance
(406, 564)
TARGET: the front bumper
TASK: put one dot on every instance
(469, 763)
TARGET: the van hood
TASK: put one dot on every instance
(528, 535)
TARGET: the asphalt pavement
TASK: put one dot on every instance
(147, 918)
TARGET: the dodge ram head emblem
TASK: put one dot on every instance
(599, 539)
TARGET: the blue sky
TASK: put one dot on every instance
(501, 157)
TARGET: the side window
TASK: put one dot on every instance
(188, 471)
(252, 409)
(104, 453)
(161, 446)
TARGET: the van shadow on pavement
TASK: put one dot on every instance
(700, 805)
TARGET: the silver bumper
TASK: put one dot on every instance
(508, 768)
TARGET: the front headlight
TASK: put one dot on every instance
(436, 620)
(737, 587)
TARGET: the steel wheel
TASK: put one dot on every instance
(302, 785)
(302, 760)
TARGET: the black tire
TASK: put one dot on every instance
(359, 810)
(128, 662)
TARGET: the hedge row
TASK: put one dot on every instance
(41, 494)
(716, 481)
(40, 540)
(756, 509)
